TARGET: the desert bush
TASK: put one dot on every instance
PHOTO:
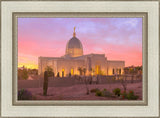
(34, 98)
(24, 94)
(94, 90)
(103, 93)
(124, 95)
(106, 93)
(24, 74)
(131, 96)
(98, 93)
(117, 91)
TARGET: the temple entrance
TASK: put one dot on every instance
(98, 69)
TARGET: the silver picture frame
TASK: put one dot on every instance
(12, 10)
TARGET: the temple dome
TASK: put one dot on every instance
(74, 47)
(74, 42)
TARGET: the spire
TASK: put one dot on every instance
(74, 33)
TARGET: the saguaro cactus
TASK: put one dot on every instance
(45, 83)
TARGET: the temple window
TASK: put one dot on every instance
(62, 72)
(72, 71)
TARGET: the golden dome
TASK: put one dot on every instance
(74, 46)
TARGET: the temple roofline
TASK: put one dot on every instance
(49, 57)
(116, 61)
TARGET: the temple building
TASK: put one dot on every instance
(69, 64)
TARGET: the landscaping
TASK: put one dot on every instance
(116, 93)
(78, 92)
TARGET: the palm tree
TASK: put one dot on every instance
(86, 80)
(80, 70)
(25, 74)
(84, 71)
(131, 71)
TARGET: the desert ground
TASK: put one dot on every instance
(78, 92)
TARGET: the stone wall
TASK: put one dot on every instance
(59, 82)
(115, 65)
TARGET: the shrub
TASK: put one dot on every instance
(94, 90)
(98, 93)
(106, 93)
(131, 96)
(24, 74)
(103, 93)
(117, 91)
(124, 95)
(24, 95)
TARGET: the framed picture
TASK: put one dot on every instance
(80, 59)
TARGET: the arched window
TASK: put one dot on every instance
(62, 72)
(98, 69)
(72, 71)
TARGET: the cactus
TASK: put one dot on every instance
(24, 94)
(45, 83)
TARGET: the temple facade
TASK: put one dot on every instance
(69, 64)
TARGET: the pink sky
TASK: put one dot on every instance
(117, 38)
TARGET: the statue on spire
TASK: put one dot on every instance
(74, 29)
(74, 33)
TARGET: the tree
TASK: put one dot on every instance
(49, 71)
(101, 72)
(80, 70)
(126, 70)
(124, 82)
(84, 71)
(53, 75)
(24, 74)
(86, 83)
(86, 80)
(34, 71)
(132, 71)
(19, 74)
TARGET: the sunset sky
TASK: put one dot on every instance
(117, 38)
